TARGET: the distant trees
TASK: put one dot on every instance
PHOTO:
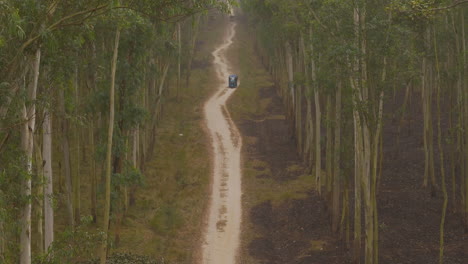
(60, 72)
(341, 58)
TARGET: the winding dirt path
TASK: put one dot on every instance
(223, 229)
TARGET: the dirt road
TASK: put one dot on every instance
(223, 229)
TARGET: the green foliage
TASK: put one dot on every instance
(378, 46)
(131, 176)
(72, 245)
(97, 101)
(76, 42)
(415, 13)
(127, 258)
(13, 174)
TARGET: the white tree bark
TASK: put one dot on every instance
(48, 190)
(38, 205)
(161, 84)
(25, 236)
(158, 107)
(110, 133)
(27, 142)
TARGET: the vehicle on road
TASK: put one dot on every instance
(232, 81)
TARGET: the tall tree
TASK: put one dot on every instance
(48, 180)
(110, 133)
(27, 143)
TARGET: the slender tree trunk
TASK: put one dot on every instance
(48, 180)
(451, 61)
(66, 160)
(318, 118)
(298, 108)
(367, 192)
(424, 94)
(329, 151)
(345, 215)
(76, 172)
(309, 128)
(156, 113)
(290, 98)
(336, 162)
(27, 143)
(318, 144)
(92, 76)
(427, 77)
(179, 48)
(38, 205)
(93, 178)
(159, 102)
(452, 153)
(193, 42)
(441, 156)
(118, 206)
(374, 176)
(3, 239)
(368, 158)
(298, 120)
(144, 137)
(377, 142)
(357, 187)
(310, 138)
(25, 236)
(465, 96)
(403, 112)
(461, 145)
(110, 132)
(134, 157)
(358, 143)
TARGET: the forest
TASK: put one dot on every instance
(357, 77)
(82, 92)
(368, 88)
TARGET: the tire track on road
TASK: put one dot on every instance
(222, 236)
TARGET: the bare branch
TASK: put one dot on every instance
(51, 28)
(460, 2)
(5, 139)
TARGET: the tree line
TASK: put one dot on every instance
(82, 85)
(334, 62)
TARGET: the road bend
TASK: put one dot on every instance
(222, 235)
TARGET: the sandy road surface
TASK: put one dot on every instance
(223, 229)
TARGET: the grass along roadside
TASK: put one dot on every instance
(167, 220)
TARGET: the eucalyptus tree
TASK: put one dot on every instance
(367, 114)
(333, 48)
(193, 40)
(48, 179)
(27, 22)
(128, 81)
(441, 27)
(27, 118)
(29, 25)
(109, 147)
(358, 46)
